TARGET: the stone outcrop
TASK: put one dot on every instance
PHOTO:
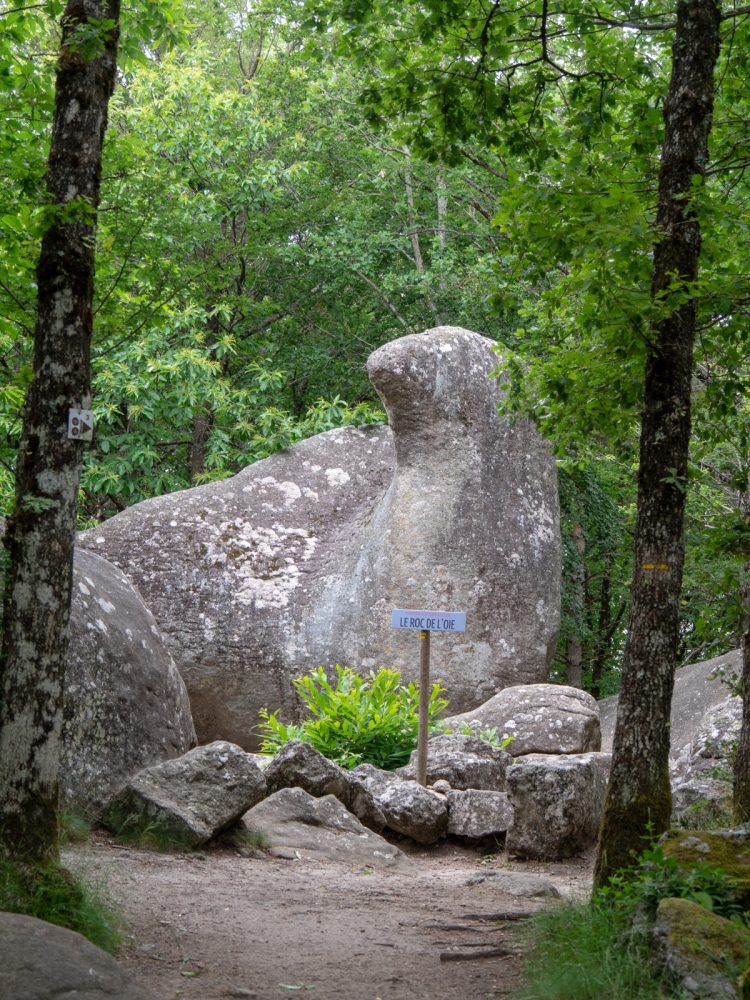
(540, 718)
(44, 962)
(191, 799)
(293, 824)
(298, 765)
(125, 705)
(462, 761)
(557, 802)
(475, 813)
(299, 559)
(408, 808)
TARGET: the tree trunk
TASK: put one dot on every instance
(638, 797)
(742, 758)
(41, 532)
(577, 584)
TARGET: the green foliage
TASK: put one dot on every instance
(51, 893)
(355, 720)
(489, 735)
(659, 876)
(603, 948)
(74, 827)
(587, 951)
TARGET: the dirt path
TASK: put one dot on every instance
(221, 924)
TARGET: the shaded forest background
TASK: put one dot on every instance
(271, 215)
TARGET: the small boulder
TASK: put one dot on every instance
(541, 718)
(477, 813)
(291, 823)
(520, 884)
(699, 802)
(190, 799)
(463, 761)
(299, 765)
(408, 808)
(557, 802)
(704, 953)
(44, 962)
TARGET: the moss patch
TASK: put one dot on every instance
(730, 855)
(700, 943)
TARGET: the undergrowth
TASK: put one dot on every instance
(50, 892)
(356, 720)
(603, 948)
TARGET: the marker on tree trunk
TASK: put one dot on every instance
(426, 622)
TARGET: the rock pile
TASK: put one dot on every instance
(546, 805)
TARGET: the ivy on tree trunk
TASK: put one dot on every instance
(41, 532)
(639, 797)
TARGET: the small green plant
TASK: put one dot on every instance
(660, 876)
(136, 831)
(50, 892)
(371, 719)
(489, 735)
(74, 828)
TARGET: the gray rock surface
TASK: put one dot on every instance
(298, 765)
(557, 805)
(518, 884)
(701, 802)
(697, 689)
(475, 813)
(189, 799)
(43, 962)
(408, 808)
(125, 705)
(462, 761)
(541, 718)
(290, 823)
(299, 559)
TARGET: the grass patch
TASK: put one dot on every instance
(150, 836)
(50, 892)
(74, 828)
(588, 952)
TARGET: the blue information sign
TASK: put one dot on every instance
(429, 621)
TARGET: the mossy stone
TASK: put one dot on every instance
(730, 854)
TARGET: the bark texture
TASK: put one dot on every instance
(639, 798)
(742, 758)
(40, 534)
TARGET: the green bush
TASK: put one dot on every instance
(357, 720)
(50, 892)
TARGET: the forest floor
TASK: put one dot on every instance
(221, 924)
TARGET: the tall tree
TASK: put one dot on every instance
(638, 795)
(41, 531)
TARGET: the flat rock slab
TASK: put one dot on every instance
(517, 884)
(43, 962)
(189, 799)
(462, 761)
(299, 559)
(540, 718)
(291, 823)
(475, 813)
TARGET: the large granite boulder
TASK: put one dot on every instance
(191, 799)
(299, 559)
(125, 705)
(476, 813)
(558, 802)
(44, 962)
(540, 718)
(293, 824)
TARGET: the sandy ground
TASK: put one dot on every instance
(221, 924)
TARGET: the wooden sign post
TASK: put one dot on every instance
(426, 622)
